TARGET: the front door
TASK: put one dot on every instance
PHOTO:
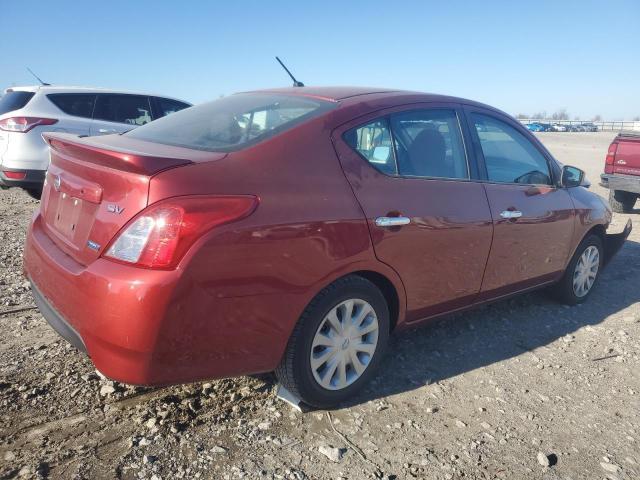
(533, 217)
(428, 219)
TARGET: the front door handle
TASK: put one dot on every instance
(511, 214)
(392, 221)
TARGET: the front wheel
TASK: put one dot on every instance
(337, 344)
(582, 272)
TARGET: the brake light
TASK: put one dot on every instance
(611, 156)
(15, 175)
(160, 235)
(24, 124)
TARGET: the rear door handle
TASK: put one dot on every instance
(511, 214)
(392, 221)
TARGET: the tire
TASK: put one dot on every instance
(296, 372)
(34, 192)
(566, 290)
(621, 202)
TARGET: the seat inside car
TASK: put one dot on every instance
(426, 156)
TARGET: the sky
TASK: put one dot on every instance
(520, 56)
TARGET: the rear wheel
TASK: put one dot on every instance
(34, 192)
(337, 344)
(621, 202)
(582, 272)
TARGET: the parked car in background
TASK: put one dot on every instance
(535, 127)
(558, 127)
(622, 171)
(27, 112)
(295, 229)
(589, 127)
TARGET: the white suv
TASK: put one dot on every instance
(27, 112)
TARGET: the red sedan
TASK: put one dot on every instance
(295, 229)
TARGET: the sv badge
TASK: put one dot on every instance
(115, 209)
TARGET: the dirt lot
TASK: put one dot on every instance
(497, 393)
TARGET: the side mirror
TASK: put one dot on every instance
(572, 177)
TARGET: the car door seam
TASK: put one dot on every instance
(493, 232)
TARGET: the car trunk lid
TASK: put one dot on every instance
(95, 185)
(627, 155)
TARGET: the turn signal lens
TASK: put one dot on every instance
(160, 235)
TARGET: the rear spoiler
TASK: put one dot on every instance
(87, 149)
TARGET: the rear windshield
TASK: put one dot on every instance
(231, 123)
(15, 100)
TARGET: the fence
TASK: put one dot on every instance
(613, 126)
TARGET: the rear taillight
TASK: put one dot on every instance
(611, 156)
(24, 124)
(160, 235)
(15, 175)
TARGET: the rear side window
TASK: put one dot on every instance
(373, 142)
(76, 104)
(426, 143)
(14, 100)
(167, 106)
(233, 122)
(129, 109)
(509, 156)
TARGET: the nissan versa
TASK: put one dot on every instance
(295, 229)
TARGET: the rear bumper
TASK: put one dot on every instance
(56, 321)
(32, 178)
(109, 316)
(625, 183)
(149, 327)
(614, 241)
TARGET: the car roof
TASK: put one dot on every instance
(350, 94)
(75, 89)
(328, 93)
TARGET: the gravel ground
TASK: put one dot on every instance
(522, 389)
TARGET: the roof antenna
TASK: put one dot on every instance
(38, 78)
(296, 83)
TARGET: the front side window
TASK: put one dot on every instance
(509, 156)
(233, 122)
(76, 104)
(129, 109)
(419, 143)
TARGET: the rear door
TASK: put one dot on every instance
(533, 218)
(119, 113)
(428, 218)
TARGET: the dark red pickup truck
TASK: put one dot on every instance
(622, 171)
